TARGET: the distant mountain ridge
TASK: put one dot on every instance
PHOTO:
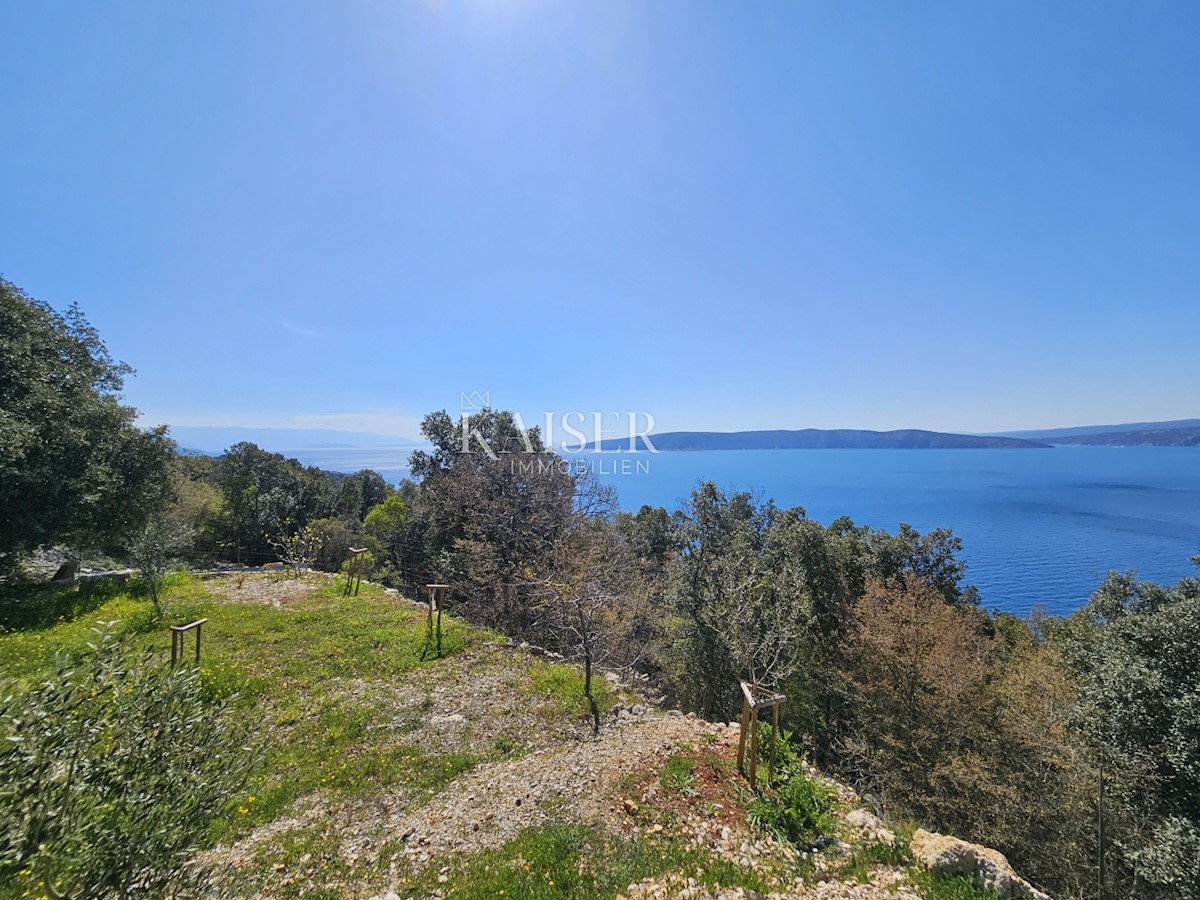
(216, 439)
(821, 439)
(1054, 435)
(1149, 437)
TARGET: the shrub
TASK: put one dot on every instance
(799, 808)
(110, 771)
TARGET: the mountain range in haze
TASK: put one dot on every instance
(820, 439)
(1177, 433)
(217, 439)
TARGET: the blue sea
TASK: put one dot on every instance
(1038, 526)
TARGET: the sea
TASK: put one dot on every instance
(1040, 527)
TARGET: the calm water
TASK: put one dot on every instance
(1038, 526)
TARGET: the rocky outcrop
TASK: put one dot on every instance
(987, 868)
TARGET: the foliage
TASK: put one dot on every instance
(111, 771)
(943, 887)
(492, 503)
(743, 597)
(263, 494)
(153, 549)
(918, 668)
(590, 601)
(678, 774)
(799, 809)
(1139, 664)
(73, 465)
(389, 524)
(299, 549)
(358, 494)
(866, 856)
(335, 539)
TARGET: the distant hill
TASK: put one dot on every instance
(818, 439)
(1149, 437)
(216, 439)
(1055, 435)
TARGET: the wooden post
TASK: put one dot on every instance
(177, 633)
(774, 734)
(742, 739)
(753, 748)
(437, 597)
(754, 698)
(354, 570)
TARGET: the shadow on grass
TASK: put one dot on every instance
(28, 607)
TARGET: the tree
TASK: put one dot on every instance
(918, 667)
(491, 505)
(743, 597)
(263, 491)
(299, 548)
(388, 522)
(1139, 665)
(357, 494)
(73, 465)
(155, 547)
(590, 601)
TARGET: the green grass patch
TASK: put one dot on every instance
(563, 684)
(557, 861)
(866, 857)
(282, 663)
(678, 775)
(942, 887)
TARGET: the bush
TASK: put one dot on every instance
(110, 771)
(799, 808)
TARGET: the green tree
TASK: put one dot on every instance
(743, 598)
(263, 491)
(73, 465)
(493, 500)
(1139, 667)
(155, 547)
(357, 494)
(389, 523)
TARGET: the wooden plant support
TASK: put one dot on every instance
(354, 571)
(177, 633)
(437, 599)
(754, 698)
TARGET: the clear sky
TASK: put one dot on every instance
(952, 215)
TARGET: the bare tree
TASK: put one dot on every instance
(298, 549)
(590, 602)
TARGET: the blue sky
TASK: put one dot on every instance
(963, 216)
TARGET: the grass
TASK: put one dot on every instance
(941, 887)
(678, 775)
(866, 857)
(557, 861)
(280, 662)
(563, 684)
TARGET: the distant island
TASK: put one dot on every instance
(820, 439)
(1173, 433)
(1148, 437)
